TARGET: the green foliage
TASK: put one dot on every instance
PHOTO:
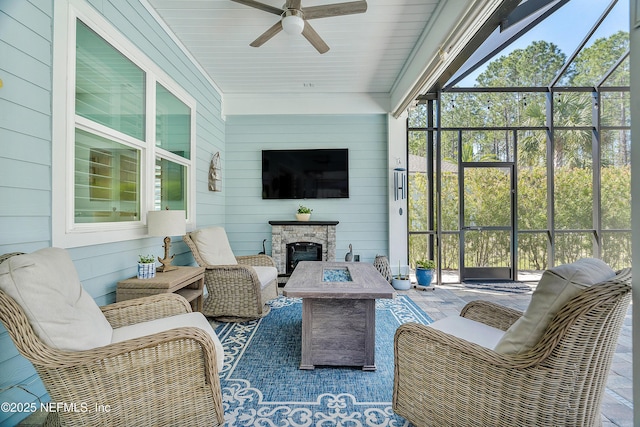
(592, 62)
(486, 198)
(304, 210)
(536, 65)
(426, 264)
(146, 259)
(486, 190)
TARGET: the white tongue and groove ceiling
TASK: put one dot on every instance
(379, 54)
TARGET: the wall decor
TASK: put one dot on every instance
(215, 173)
(400, 183)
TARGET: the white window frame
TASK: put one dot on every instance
(65, 232)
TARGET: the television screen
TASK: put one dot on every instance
(305, 174)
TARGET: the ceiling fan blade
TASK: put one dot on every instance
(261, 6)
(275, 29)
(314, 38)
(336, 9)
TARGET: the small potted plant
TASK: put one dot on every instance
(424, 271)
(304, 213)
(400, 281)
(146, 267)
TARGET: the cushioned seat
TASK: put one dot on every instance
(469, 330)
(238, 287)
(186, 320)
(140, 350)
(500, 367)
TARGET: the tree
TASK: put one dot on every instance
(534, 66)
(573, 112)
(593, 62)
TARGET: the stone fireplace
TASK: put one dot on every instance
(283, 233)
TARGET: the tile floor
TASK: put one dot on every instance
(448, 299)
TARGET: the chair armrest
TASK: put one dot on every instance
(237, 273)
(491, 314)
(434, 371)
(144, 309)
(413, 339)
(256, 260)
(185, 357)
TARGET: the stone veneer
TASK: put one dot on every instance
(284, 232)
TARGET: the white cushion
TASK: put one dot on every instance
(557, 286)
(151, 327)
(213, 245)
(46, 285)
(266, 275)
(469, 330)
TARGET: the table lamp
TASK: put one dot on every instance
(166, 223)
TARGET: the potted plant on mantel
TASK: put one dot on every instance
(304, 213)
(424, 271)
(146, 267)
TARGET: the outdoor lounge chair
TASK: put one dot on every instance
(147, 361)
(496, 366)
(238, 287)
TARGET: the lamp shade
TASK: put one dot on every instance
(166, 223)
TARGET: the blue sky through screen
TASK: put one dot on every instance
(567, 27)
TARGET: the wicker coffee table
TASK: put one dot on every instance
(338, 312)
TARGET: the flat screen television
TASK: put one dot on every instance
(305, 174)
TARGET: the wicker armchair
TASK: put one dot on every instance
(167, 378)
(236, 291)
(441, 380)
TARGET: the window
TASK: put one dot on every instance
(110, 165)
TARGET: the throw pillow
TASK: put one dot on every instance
(46, 285)
(214, 246)
(556, 287)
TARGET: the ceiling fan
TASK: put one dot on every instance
(294, 19)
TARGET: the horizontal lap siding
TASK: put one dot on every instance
(25, 165)
(363, 216)
(26, 29)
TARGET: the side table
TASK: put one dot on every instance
(186, 281)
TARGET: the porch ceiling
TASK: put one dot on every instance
(385, 51)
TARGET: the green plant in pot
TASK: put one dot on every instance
(424, 271)
(400, 281)
(304, 213)
(146, 267)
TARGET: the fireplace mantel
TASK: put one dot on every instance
(284, 232)
(304, 223)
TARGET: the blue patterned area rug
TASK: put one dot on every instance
(263, 386)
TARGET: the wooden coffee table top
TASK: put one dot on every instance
(366, 282)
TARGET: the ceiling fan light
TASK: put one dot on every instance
(292, 24)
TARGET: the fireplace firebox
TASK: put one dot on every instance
(283, 233)
(302, 251)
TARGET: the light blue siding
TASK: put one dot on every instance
(26, 29)
(363, 216)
